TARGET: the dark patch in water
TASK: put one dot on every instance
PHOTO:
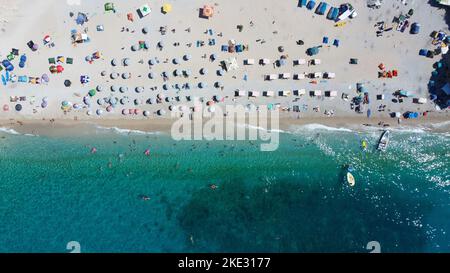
(289, 217)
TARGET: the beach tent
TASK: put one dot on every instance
(264, 61)
(415, 28)
(311, 4)
(268, 93)
(299, 62)
(253, 94)
(300, 76)
(143, 11)
(302, 3)
(109, 7)
(285, 76)
(299, 92)
(317, 93)
(166, 8)
(271, 77)
(249, 61)
(284, 93)
(316, 61)
(329, 75)
(312, 51)
(331, 94)
(321, 8)
(239, 93)
(423, 52)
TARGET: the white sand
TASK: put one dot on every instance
(32, 20)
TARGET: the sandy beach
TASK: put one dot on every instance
(263, 26)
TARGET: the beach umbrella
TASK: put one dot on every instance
(281, 49)
(103, 73)
(152, 61)
(76, 106)
(161, 44)
(100, 88)
(126, 75)
(88, 58)
(99, 112)
(166, 8)
(137, 111)
(177, 72)
(213, 57)
(126, 61)
(203, 71)
(145, 30)
(187, 86)
(101, 101)
(187, 73)
(92, 92)
(161, 96)
(45, 99)
(211, 109)
(67, 83)
(114, 62)
(175, 61)
(218, 84)
(109, 108)
(113, 101)
(151, 75)
(183, 108)
(139, 89)
(220, 72)
(187, 57)
(5, 108)
(86, 100)
(146, 45)
(59, 69)
(202, 85)
(89, 113)
(135, 47)
(146, 113)
(161, 112)
(218, 98)
(197, 108)
(123, 101)
(35, 47)
(114, 75)
(123, 89)
(124, 112)
(45, 78)
(44, 104)
(209, 103)
(114, 88)
(177, 86)
(150, 101)
(166, 86)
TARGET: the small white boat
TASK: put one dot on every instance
(384, 141)
(350, 179)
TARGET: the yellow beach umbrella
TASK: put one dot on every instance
(166, 8)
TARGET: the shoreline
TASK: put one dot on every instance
(66, 127)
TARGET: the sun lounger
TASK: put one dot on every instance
(299, 92)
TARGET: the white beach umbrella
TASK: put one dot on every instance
(139, 89)
(114, 62)
(114, 88)
(126, 61)
(161, 112)
(99, 112)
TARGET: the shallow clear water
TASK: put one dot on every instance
(53, 190)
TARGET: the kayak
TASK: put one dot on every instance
(364, 144)
(350, 179)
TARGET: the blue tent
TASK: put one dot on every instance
(336, 42)
(225, 48)
(325, 40)
(301, 3)
(311, 4)
(415, 28)
(333, 14)
(322, 8)
(81, 18)
(312, 51)
(423, 52)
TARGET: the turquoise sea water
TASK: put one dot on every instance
(53, 190)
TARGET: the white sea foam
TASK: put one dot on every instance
(261, 128)
(122, 131)
(317, 127)
(13, 132)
